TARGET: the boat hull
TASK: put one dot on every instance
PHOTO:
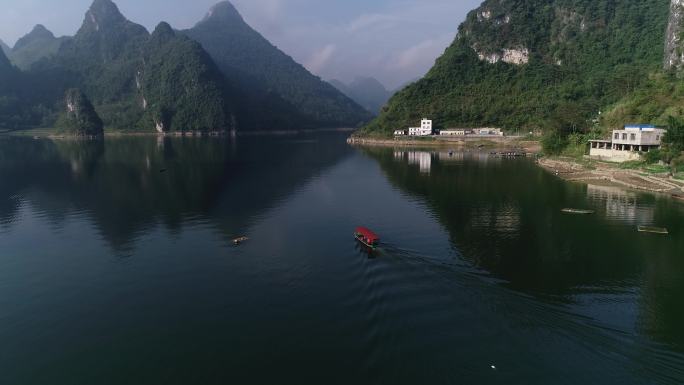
(363, 242)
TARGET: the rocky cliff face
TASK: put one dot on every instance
(80, 117)
(674, 52)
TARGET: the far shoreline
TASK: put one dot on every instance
(530, 146)
(51, 133)
(566, 168)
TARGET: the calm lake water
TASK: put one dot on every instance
(117, 267)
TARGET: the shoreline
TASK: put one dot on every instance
(609, 174)
(49, 133)
(484, 142)
(566, 168)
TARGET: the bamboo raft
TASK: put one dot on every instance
(578, 211)
(653, 230)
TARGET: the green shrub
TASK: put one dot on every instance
(553, 143)
(653, 156)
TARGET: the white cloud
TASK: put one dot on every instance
(371, 20)
(422, 54)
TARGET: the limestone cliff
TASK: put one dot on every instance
(674, 54)
(79, 117)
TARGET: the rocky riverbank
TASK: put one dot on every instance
(611, 174)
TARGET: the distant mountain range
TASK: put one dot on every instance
(5, 48)
(219, 75)
(247, 59)
(36, 45)
(366, 91)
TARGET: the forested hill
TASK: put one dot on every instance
(250, 60)
(536, 64)
(164, 81)
(10, 99)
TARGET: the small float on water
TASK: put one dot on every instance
(653, 230)
(578, 211)
(367, 238)
(240, 240)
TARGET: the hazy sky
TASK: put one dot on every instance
(392, 40)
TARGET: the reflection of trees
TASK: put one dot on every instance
(501, 220)
(127, 185)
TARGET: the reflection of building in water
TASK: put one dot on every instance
(399, 155)
(621, 204)
(421, 158)
(482, 157)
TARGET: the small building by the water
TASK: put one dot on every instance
(627, 144)
(425, 128)
(488, 132)
(471, 132)
(399, 132)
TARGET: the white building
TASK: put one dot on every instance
(399, 132)
(488, 132)
(454, 132)
(627, 144)
(425, 128)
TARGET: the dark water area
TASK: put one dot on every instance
(117, 267)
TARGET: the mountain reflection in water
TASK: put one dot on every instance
(127, 185)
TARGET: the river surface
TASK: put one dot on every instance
(117, 267)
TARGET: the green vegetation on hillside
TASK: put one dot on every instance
(181, 87)
(584, 55)
(658, 98)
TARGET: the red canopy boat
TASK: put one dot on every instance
(367, 237)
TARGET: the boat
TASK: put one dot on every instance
(240, 240)
(578, 211)
(653, 230)
(366, 237)
(678, 197)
